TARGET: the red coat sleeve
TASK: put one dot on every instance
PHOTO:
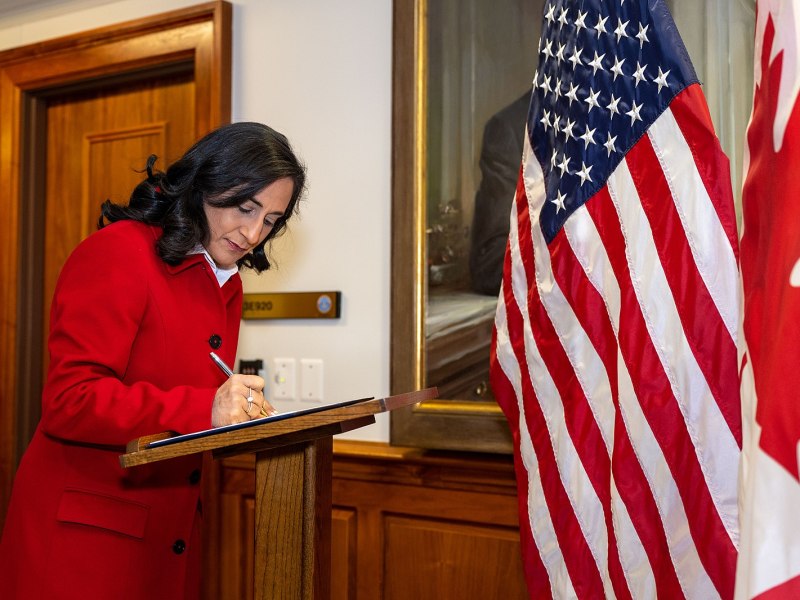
(103, 301)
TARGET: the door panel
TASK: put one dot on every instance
(97, 144)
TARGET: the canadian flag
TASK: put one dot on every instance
(769, 553)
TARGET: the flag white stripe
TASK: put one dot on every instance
(580, 491)
(590, 251)
(589, 369)
(635, 564)
(691, 574)
(710, 246)
(539, 518)
(586, 363)
(709, 432)
(584, 239)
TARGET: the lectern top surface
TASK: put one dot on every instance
(261, 421)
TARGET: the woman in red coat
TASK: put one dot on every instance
(137, 309)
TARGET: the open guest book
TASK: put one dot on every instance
(252, 423)
(281, 429)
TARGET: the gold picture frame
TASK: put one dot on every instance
(470, 421)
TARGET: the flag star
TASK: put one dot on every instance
(548, 49)
(575, 59)
(560, 52)
(557, 89)
(562, 18)
(584, 173)
(588, 137)
(601, 25)
(597, 63)
(609, 144)
(620, 30)
(572, 94)
(642, 35)
(591, 100)
(545, 120)
(564, 165)
(612, 106)
(559, 202)
(580, 22)
(550, 16)
(617, 68)
(554, 159)
(545, 85)
(661, 80)
(556, 124)
(633, 113)
(639, 74)
(567, 131)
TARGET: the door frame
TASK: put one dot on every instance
(198, 37)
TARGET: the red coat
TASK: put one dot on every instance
(129, 343)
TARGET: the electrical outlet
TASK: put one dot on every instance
(284, 378)
(311, 379)
(251, 367)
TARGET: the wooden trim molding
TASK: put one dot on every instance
(448, 423)
(198, 36)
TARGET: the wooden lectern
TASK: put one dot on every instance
(293, 485)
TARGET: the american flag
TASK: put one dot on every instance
(615, 351)
(769, 563)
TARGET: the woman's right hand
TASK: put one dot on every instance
(231, 401)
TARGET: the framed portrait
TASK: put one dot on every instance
(462, 72)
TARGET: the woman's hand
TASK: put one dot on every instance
(240, 399)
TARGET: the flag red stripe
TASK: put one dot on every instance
(709, 339)
(578, 559)
(715, 549)
(691, 113)
(578, 415)
(587, 304)
(507, 401)
(630, 479)
(536, 576)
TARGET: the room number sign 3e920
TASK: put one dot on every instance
(292, 305)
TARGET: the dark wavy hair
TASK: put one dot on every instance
(225, 168)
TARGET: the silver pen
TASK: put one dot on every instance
(221, 364)
(227, 370)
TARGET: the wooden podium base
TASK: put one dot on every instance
(294, 461)
(292, 545)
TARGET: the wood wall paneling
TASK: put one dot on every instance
(406, 524)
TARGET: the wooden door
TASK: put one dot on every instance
(98, 141)
(87, 107)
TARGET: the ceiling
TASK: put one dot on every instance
(7, 6)
(18, 7)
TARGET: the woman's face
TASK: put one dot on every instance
(236, 230)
